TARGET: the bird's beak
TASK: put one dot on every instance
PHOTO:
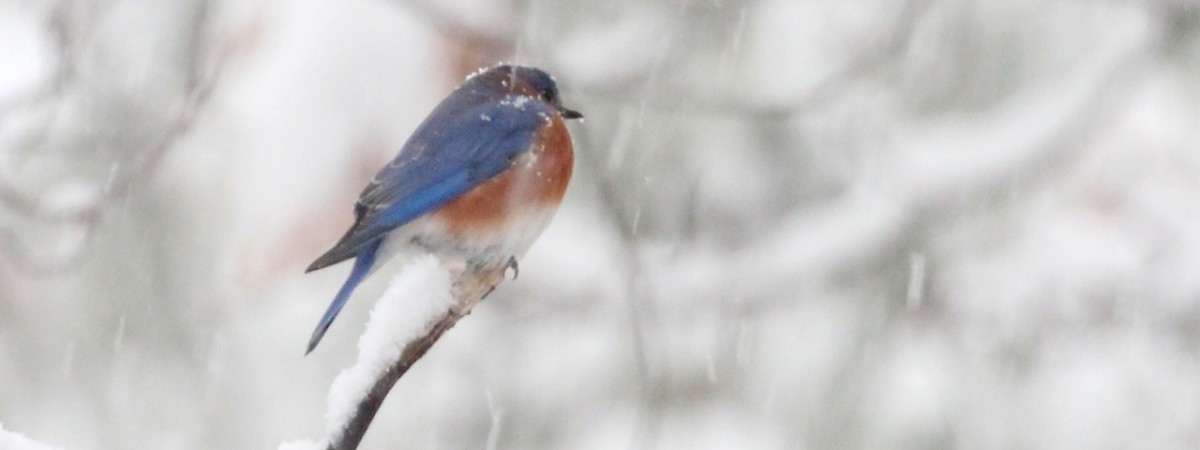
(570, 114)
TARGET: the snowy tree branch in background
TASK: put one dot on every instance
(821, 243)
(74, 205)
(62, 37)
(16, 441)
(639, 291)
(669, 98)
(424, 301)
(451, 26)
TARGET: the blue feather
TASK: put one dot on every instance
(362, 266)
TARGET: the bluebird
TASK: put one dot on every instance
(477, 181)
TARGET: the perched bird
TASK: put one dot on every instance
(477, 181)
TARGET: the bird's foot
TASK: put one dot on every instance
(512, 264)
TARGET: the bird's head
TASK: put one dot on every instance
(506, 79)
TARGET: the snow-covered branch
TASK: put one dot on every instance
(427, 298)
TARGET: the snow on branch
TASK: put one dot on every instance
(16, 441)
(427, 298)
(416, 299)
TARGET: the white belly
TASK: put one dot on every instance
(491, 249)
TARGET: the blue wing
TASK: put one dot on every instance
(455, 149)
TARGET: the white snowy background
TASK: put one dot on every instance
(877, 224)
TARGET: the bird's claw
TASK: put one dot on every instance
(512, 264)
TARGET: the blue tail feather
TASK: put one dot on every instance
(362, 266)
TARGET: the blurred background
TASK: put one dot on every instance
(795, 224)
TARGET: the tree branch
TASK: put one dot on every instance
(364, 412)
(469, 285)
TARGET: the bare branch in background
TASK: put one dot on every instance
(200, 80)
(65, 44)
(821, 243)
(673, 99)
(450, 26)
(641, 305)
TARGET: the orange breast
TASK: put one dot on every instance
(537, 180)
